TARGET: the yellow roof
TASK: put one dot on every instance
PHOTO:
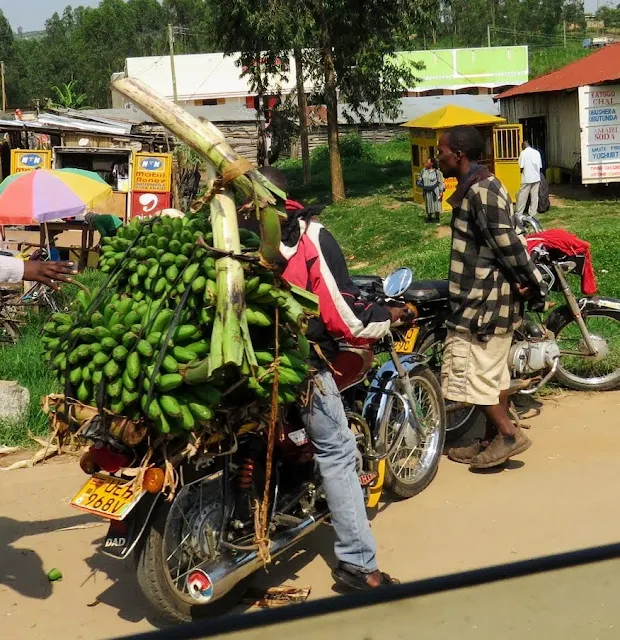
(452, 116)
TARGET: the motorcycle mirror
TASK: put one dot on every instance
(398, 282)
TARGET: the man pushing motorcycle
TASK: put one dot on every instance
(312, 259)
(491, 274)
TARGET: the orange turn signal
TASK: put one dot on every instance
(153, 480)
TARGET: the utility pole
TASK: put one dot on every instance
(2, 82)
(564, 29)
(172, 68)
(489, 36)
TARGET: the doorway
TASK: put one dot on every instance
(535, 132)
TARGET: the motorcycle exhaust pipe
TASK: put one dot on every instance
(231, 570)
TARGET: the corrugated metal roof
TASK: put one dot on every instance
(601, 66)
(214, 113)
(89, 126)
(20, 124)
(451, 116)
(49, 121)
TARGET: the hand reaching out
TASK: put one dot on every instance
(49, 273)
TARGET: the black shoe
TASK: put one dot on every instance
(351, 578)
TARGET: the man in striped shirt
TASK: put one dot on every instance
(491, 275)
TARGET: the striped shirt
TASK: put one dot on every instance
(488, 256)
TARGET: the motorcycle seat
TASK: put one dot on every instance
(422, 291)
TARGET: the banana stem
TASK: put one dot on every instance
(226, 342)
(207, 139)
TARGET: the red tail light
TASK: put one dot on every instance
(103, 459)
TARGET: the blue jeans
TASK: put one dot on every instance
(335, 447)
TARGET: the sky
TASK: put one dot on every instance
(32, 14)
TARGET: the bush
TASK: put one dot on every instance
(352, 147)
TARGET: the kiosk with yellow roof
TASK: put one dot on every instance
(501, 153)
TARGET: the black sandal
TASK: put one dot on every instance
(349, 577)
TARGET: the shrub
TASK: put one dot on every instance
(352, 147)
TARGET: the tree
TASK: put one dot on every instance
(264, 35)
(357, 42)
(6, 44)
(573, 12)
(349, 47)
(67, 97)
(6, 38)
(194, 19)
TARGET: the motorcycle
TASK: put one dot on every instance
(575, 344)
(429, 300)
(196, 552)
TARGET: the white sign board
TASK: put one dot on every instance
(599, 119)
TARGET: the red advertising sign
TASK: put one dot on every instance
(145, 204)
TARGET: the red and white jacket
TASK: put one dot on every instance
(316, 263)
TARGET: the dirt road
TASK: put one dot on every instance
(561, 495)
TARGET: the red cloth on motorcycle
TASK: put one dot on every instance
(570, 245)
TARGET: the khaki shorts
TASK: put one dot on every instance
(474, 371)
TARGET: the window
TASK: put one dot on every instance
(207, 102)
(415, 155)
(431, 152)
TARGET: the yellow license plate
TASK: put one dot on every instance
(406, 345)
(107, 497)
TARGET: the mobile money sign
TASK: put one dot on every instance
(599, 120)
(152, 172)
(23, 160)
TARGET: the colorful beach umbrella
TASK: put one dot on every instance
(42, 195)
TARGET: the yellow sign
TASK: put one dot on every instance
(152, 172)
(23, 160)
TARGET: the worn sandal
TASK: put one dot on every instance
(348, 577)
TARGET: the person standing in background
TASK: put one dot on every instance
(107, 225)
(431, 182)
(530, 164)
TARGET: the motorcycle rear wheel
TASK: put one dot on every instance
(458, 423)
(403, 478)
(157, 585)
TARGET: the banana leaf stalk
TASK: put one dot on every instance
(207, 139)
(227, 346)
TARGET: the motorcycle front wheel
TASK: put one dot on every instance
(414, 459)
(458, 422)
(582, 372)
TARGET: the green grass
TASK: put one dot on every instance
(547, 59)
(23, 362)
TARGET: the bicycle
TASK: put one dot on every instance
(14, 308)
